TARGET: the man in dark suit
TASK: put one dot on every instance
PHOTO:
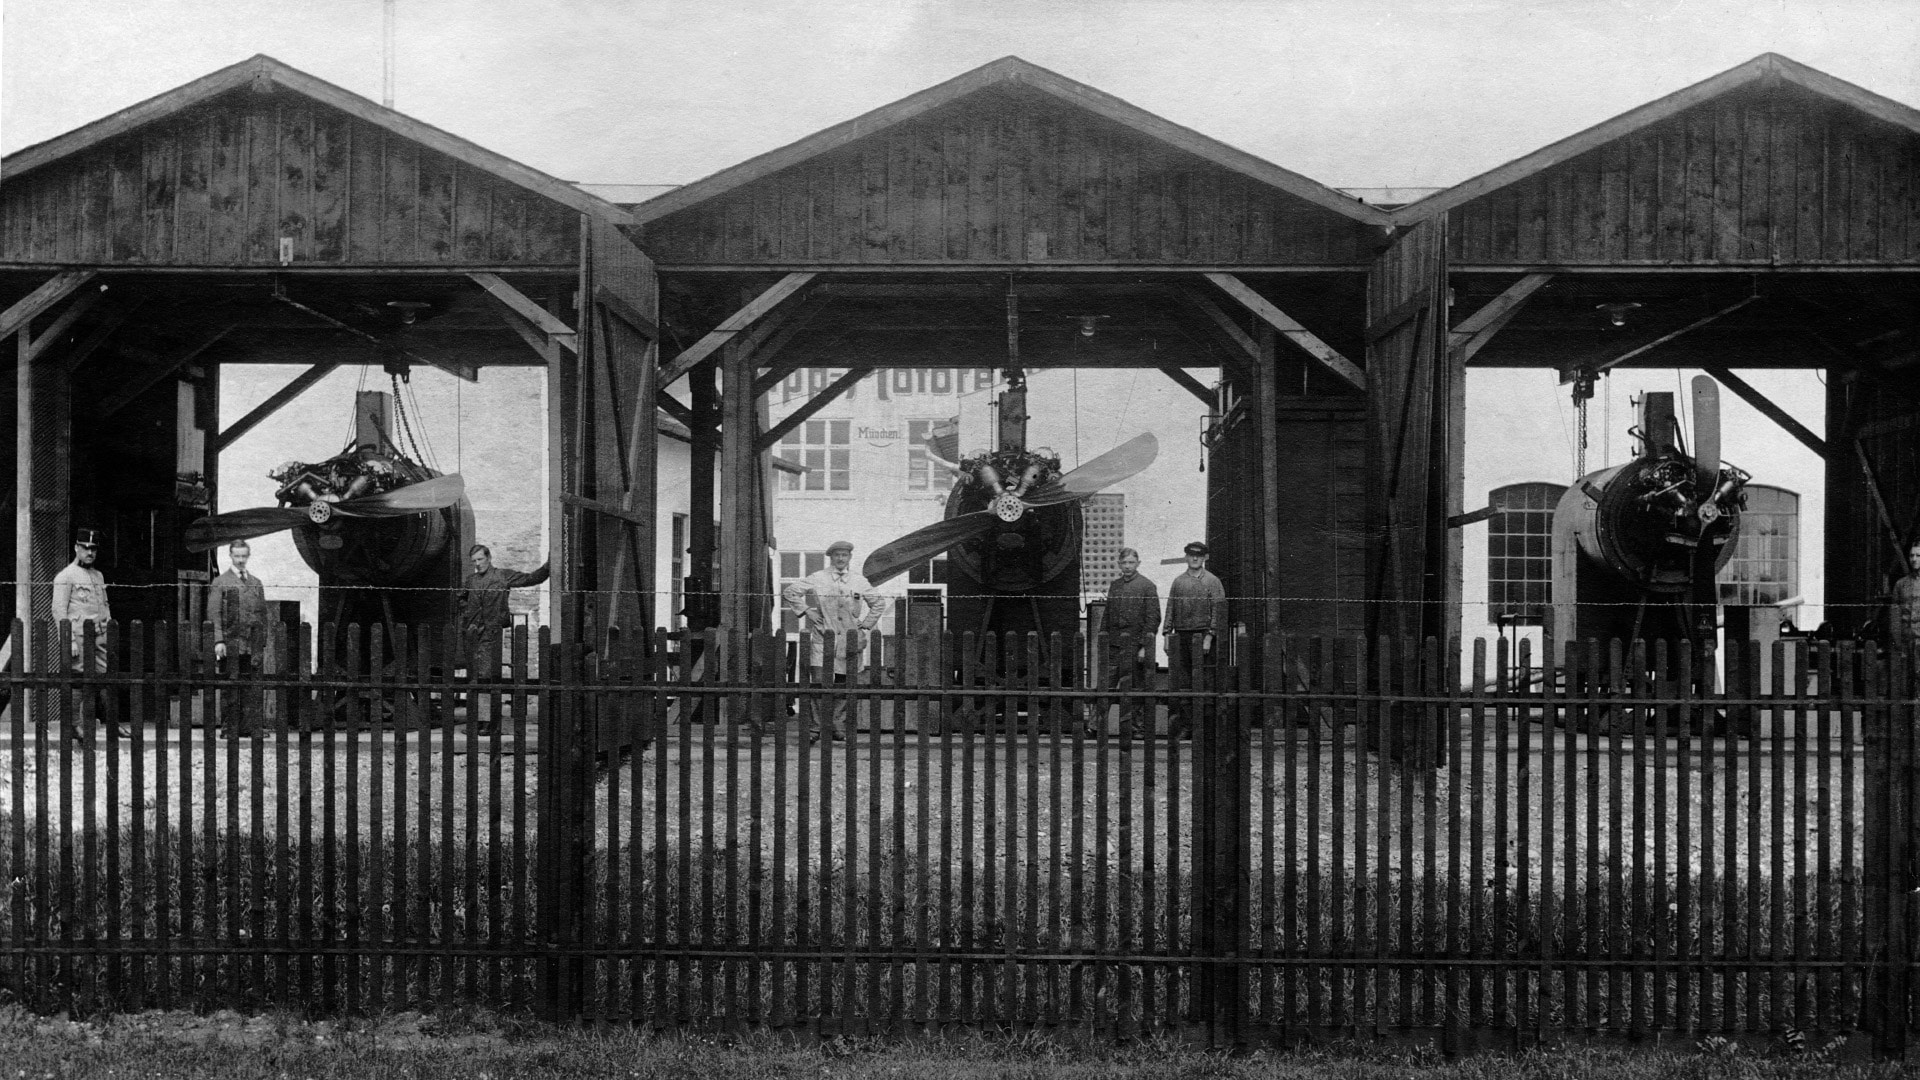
(240, 637)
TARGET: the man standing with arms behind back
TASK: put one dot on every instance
(1196, 621)
(239, 636)
(1132, 620)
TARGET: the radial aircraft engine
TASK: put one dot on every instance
(1636, 547)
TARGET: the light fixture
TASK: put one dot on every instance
(1617, 312)
(1088, 323)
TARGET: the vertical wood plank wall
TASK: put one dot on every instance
(220, 184)
(1007, 175)
(1760, 175)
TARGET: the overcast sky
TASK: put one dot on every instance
(1422, 93)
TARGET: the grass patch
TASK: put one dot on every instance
(479, 1046)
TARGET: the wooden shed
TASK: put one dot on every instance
(260, 215)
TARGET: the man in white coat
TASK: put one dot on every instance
(836, 601)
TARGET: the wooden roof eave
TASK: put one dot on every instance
(265, 69)
(1007, 70)
(1760, 67)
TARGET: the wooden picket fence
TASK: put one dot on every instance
(1357, 836)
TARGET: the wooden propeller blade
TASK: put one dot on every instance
(1102, 472)
(896, 556)
(210, 532)
(435, 494)
(1706, 433)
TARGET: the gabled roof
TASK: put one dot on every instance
(264, 72)
(1008, 70)
(1762, 67)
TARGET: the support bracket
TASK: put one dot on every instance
(1474, 332)
(740, 320)
(1290, 328)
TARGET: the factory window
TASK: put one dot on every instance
(1765, 568)
(1520, 552)
(825, 448)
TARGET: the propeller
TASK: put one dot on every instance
(1706, 434)
(427, 495)
(896, 556)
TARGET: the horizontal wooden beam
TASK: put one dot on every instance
(1766, 407)
(814, 404)
(275, 401)
(733, 324)
(546, 322)
(1193, 386)
(51, 291)
(1472, 333)
(608, 509)
(1290, 328)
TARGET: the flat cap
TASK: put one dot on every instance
(1196, 548)
(840, 545)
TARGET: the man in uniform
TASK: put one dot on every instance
(837, 601)
(1132, 620)
(1903, 618)
(240, 636)
(80, 597)
(1196, 620)
(483, 617)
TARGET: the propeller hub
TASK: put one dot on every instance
(319, 512)
(1709, 513)
(1008, 507)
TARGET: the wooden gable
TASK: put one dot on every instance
(1006, 174)
(1768, 172)
(264, 174)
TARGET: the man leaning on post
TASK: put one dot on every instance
(1196, 621)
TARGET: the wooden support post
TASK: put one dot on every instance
(23, 502)
(703, 456)
(1267, 402)
(1308, 342)
(280, 398)
(562, 579)
(738, 604)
